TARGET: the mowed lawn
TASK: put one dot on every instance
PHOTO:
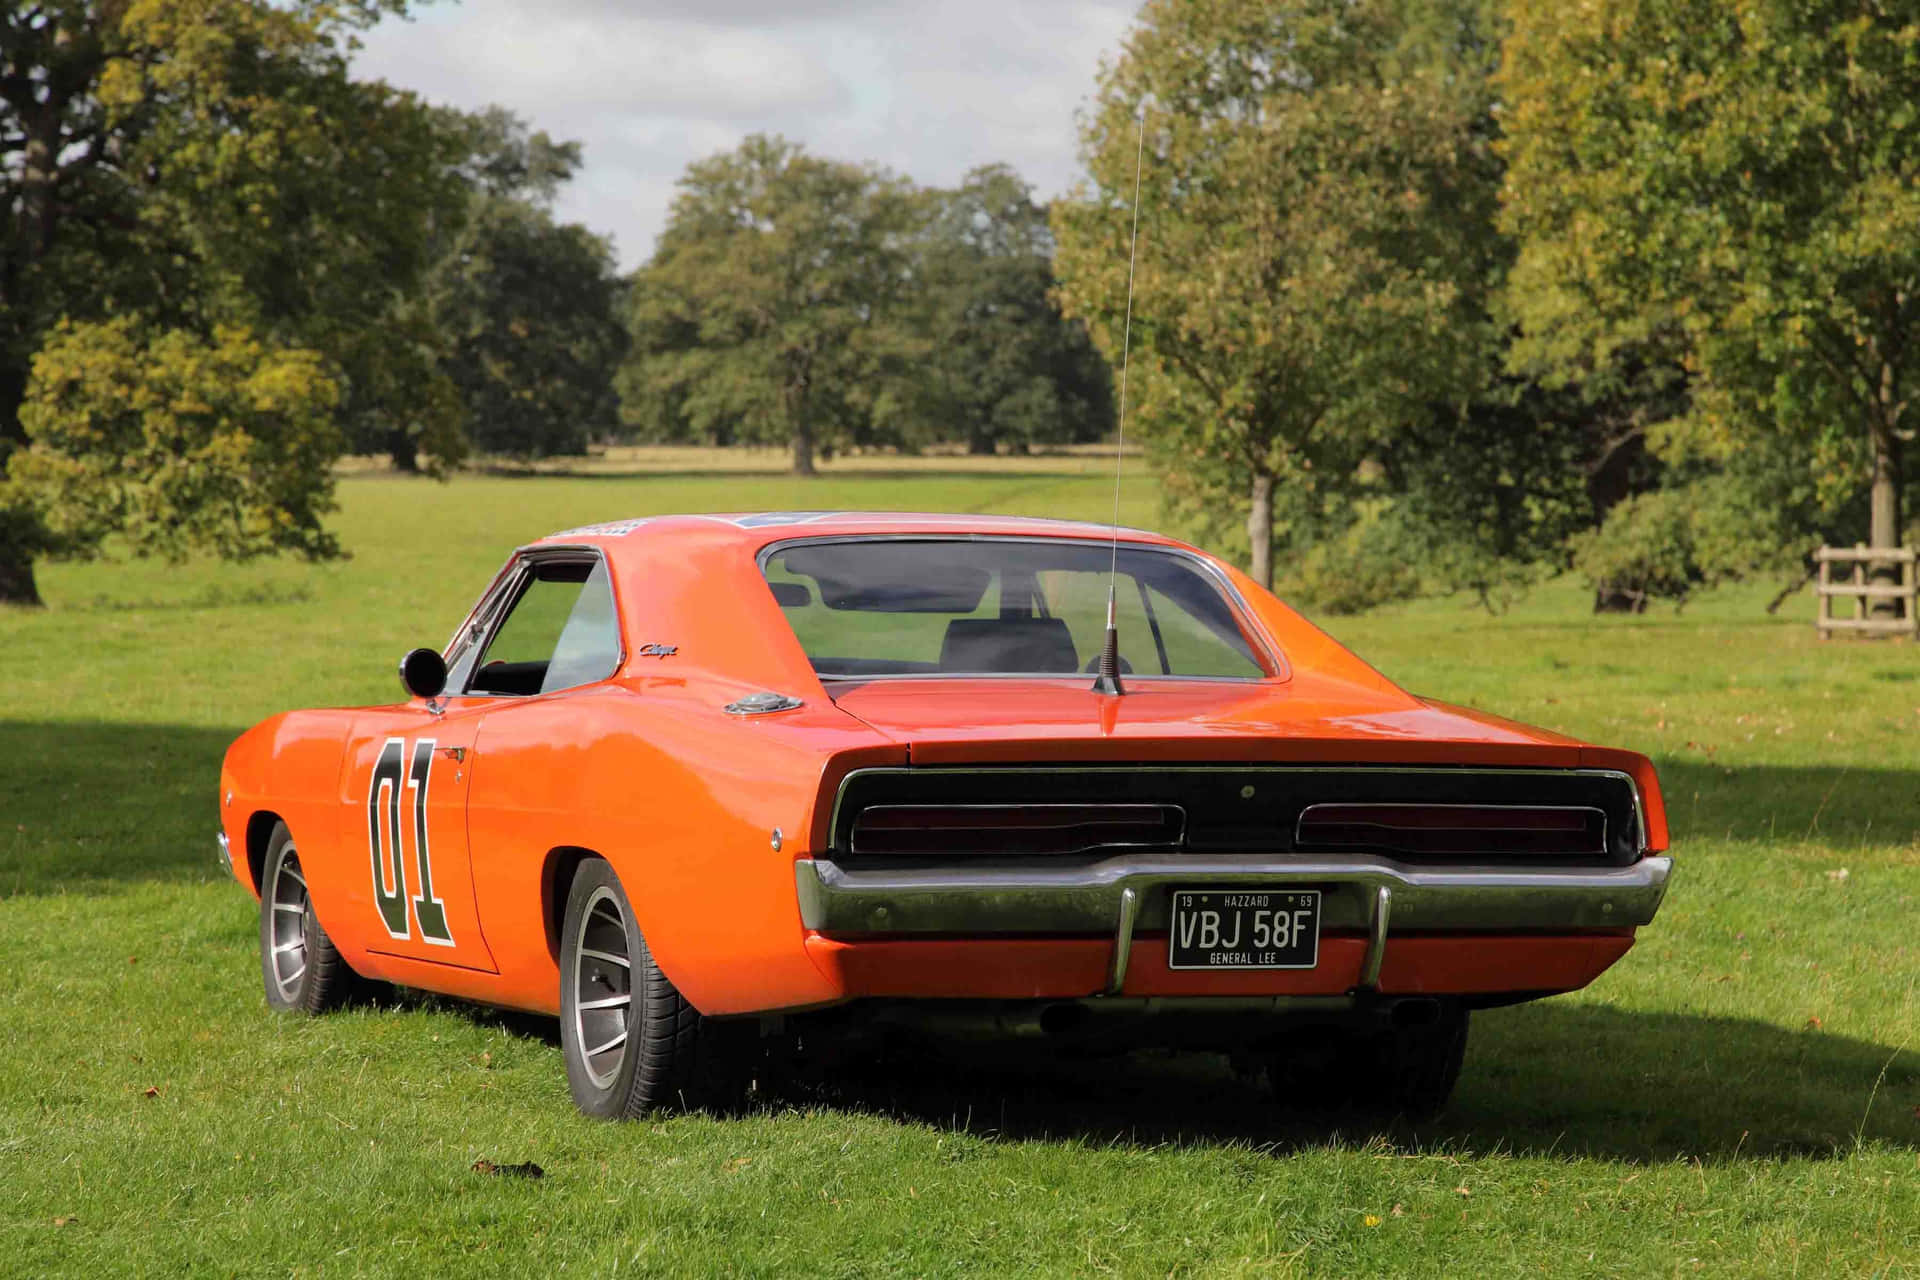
(1740, 1095)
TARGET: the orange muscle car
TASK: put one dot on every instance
(693, 782)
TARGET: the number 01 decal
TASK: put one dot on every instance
(390, 773)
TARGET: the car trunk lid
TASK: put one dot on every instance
(1306, 719)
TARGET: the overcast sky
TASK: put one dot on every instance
(928, 88)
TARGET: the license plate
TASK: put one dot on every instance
(1244, 929)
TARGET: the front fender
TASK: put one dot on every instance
(287, 768)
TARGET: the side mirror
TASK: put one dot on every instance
(424, 673)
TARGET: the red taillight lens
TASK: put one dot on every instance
(1013, 828)
(1453, 828)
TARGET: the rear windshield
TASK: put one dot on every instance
(900, 607)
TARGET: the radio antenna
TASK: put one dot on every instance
(1108, 681)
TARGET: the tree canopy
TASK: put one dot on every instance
(1733, 185)
(1001, 365)
(529, 309)
(803, 302)
(177, 442)
(207, 168)
(758, 317)
(1313, 255)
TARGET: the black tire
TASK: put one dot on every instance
(1402, 1071)
(640, 1045)
(299, 967)
(1414, 1069)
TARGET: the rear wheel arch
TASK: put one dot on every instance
(563, 864)
(259, 836)
(556, 880)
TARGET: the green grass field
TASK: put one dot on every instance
(1740, 1095)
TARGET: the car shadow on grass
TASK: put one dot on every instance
(1557, 1079)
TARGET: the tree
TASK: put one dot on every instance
(178, 443)
(483, 156)
(527, 310)
(1000, 363)
(1485, 497)
(530, 310)
(760, 315)
(1315, 203)
(199, 164)
(1737, 183)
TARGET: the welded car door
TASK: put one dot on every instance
(405, 790)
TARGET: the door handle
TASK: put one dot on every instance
(456, 754)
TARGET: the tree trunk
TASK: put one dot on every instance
(1608, 598)
(1609, 478)
(1260, 531)
(16, 562)
(802, 442)
(16, 577)
(1883, 497)
(405, 451)
(980, 444)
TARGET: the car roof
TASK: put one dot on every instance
(756, 529)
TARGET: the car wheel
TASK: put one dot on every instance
(1409, 1071)
(1414, 1069)
(631, 1041)
(298, 964)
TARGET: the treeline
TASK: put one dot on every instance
(1430, 296)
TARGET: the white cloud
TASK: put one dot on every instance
(929, 88)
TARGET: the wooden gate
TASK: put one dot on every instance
(1858, 587)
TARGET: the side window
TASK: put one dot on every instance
(559, 632)
(589, 645)
(464, 648)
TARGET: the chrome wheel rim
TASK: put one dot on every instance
(602, 988)
(287, 934)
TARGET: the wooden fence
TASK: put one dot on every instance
(1905, 590)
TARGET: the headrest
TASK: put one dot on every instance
(1008, 646)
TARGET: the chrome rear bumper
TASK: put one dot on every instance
(226, 853)
(1087, 898)
(1120, 895)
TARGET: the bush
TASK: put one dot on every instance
(1365, 565)
(1645, 550)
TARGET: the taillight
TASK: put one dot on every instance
(1453, 828)
(1013, 828)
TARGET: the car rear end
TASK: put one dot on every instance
(1257, 837)
(1274, 888)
